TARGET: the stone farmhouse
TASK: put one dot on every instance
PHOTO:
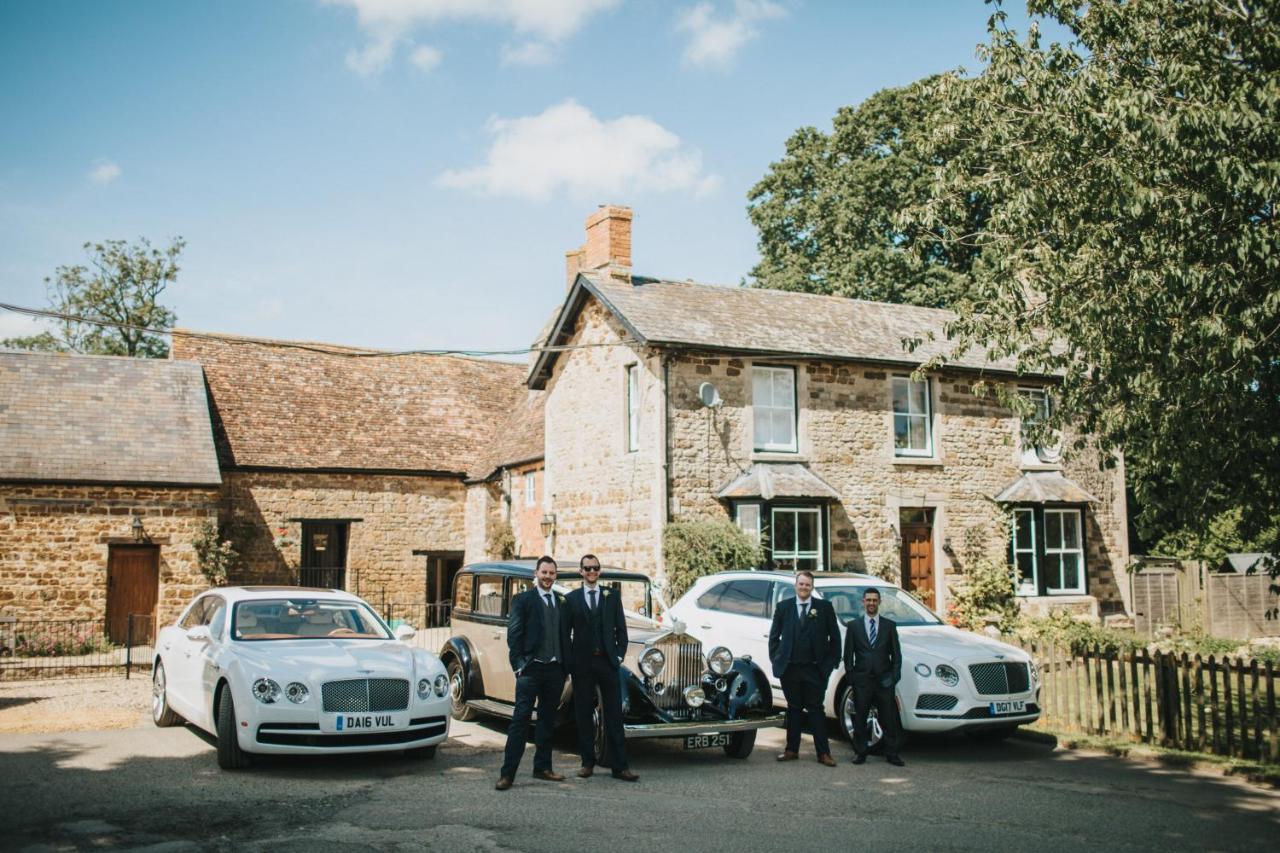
(646, 401)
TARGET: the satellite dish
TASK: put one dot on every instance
(709, 396)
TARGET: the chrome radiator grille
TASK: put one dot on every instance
(683, 669)
(365, 694)
(1000, 679)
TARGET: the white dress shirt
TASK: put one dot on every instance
(587, 589)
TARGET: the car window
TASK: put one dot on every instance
(745, 598)
(519, 585)
(306, 619)
(710, 600)
(215, 614)
(896, 604)
(462, 592)
(488, 595)
(194, 616)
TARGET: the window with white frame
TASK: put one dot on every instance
(1063, 551)
(1024, 551)
(530, 489)
(795, 538)
(1042, 454)
(633, 407)
(773, 403)
(912, 417)
(748, 518)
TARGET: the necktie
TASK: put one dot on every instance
(871, 632)
(547, 599)
(804, 610)
(592, 603)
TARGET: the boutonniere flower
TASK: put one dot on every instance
(813, 613)
(605, 593)
(559, 598)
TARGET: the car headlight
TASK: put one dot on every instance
(922, 670)
(424, 688)
(720, 660)
(947, 674)
(266, 691)
(694, 697)
(652, 661)
(297, 692)
(442, 685)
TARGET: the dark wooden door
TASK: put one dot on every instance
(917, 560)
(324, 554)
(133, 584)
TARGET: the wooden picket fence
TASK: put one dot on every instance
(1224, 706)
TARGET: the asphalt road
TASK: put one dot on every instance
(160, 789)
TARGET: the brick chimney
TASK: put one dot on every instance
(608, 246)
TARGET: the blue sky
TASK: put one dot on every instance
(409, 173)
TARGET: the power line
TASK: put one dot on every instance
(233, 339)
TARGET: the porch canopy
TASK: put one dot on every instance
(770, 480)
(1044, 487)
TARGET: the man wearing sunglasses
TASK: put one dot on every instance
(597, 645)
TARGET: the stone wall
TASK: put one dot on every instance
(606, 499)
(55, 540)
(399, 514)
(525, 518)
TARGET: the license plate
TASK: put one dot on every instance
(361, 722)
(704, 741)
(1017, 706)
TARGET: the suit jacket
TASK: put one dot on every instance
(866, 665)
(823, 634)
(525, 626)
(614, 624)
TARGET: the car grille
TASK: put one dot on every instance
(683, 669)
(935, 702)
(365, 694)
(1000, 679)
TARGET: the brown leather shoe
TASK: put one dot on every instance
(503, 784)
(626, 776)
(548, 776)
(585, 772)
(788, 755)
(826, 760)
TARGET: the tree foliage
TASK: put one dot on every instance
(121, 284)
(828, 212)
(692, 549)
(1131, 245)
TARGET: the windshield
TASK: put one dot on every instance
(635, 593)
(306, 619)
(895, 604)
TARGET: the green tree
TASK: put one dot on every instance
(121, 285)
(1132, 244)
(693, 549)
(828, 213)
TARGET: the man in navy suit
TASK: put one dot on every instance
(873, 662)
(804, 647)
(537, 643)
(597, 645)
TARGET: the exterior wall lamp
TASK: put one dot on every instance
(136, 527)
(549, 524)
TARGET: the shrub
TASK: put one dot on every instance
(216, 556)
(693, 549)
(85, 640)
(502, 542)
(887, 567)
(988, 591)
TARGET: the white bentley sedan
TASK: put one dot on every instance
(952, 680)
(288, 670)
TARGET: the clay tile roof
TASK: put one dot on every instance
(104, 419)
(518, 440)
(774, 322)
(292, 405)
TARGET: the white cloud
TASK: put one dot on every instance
(545, 22)
(567, 148)
(103, 172)
(714, 40)
(529, 53)
(15, 325)
(426, 57)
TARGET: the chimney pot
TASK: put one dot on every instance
(608, 246)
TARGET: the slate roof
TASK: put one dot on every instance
(518, 440)
(104, 419)
(299, 406)
(1043, 487)
(661, 312)
(769, 480)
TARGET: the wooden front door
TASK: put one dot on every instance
(441, 571)
(917, 554)
(133, 586)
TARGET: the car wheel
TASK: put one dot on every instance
(421, 752)
(599, 745)
(990, 733)
(458, 692)
(740, 744)
(847, 708)
(161, 714)
(230, 755)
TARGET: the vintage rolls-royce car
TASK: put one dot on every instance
(952, 680)
(671, 686)
(288, 670)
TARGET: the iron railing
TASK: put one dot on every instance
(74, 648)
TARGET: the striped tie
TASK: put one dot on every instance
(872, 633)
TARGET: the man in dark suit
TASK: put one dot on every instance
(873, 663)
(537, 642)
(597, 645)
(804, 647)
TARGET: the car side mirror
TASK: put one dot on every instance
(199, 634)
(405, 632)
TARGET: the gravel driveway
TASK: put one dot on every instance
(73, 705)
